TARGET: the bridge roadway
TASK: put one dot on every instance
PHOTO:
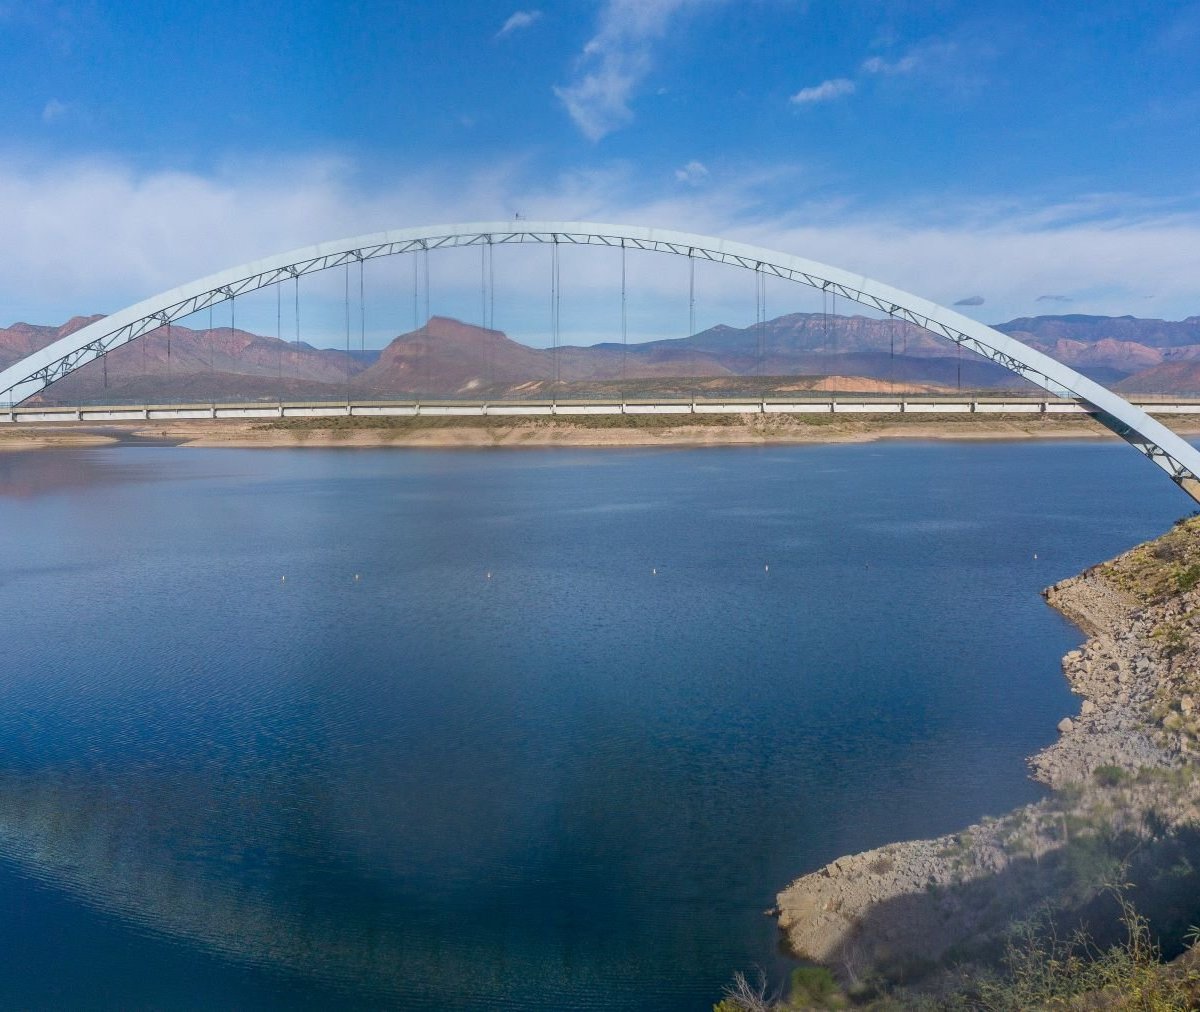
(849, 404)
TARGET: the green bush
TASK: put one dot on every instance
(1109, 776)
(814, 987)
(1186, 579)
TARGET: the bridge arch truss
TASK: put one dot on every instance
(1165, 448)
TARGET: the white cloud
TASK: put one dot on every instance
(615, 61)
(694, 173)
(54, 110)
(95, 236)
(878, 65)
(518, 20)
(826, 91)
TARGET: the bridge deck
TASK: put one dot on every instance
(850, 404)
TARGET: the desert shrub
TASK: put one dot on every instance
(1044, 971)
(1187, 578)
(881, 865)
(814, 987)
(1109, 776)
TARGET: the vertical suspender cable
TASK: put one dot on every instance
(491, 309)
(762, 325)
(825, 315)
(483, 285)
(483, 297)
(554, 309)
(691, 294)
(624, 322)
(362, 306)
(758, 315)
(833, 313)
(892, 348)
(212, 369)
(279, 339)
(757, 334)
(232, 327)
(416, 313)
(692, 309)
(557, 316)
(428, 319)
(347, 305)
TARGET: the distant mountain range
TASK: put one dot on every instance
(449, 358)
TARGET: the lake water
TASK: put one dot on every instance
(271, 735)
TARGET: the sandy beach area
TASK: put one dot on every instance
(628, 430)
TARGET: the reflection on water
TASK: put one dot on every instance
(24, 473)
(574, 783)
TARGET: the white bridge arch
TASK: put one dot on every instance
(1165, 448)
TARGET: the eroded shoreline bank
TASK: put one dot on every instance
(1122, 775)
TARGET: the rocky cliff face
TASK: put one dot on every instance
(1125, 783)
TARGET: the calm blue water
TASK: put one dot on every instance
(576, 784)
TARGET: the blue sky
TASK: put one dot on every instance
(1043, 157)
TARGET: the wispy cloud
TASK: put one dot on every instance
(971, 300)
(615, 61)
(518, 20)
(1054, 298)
(54, 110)
(694, 173)
(878, 65)
(826, 91)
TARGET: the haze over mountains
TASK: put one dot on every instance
(449, 358)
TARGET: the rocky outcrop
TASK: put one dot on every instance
(1121, 770)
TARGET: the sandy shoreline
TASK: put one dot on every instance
(539, 432)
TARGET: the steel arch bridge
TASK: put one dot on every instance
(1165, 448)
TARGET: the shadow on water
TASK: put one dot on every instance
(1058, 894)
(177, 859)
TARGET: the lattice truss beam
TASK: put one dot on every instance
(1175, 456)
